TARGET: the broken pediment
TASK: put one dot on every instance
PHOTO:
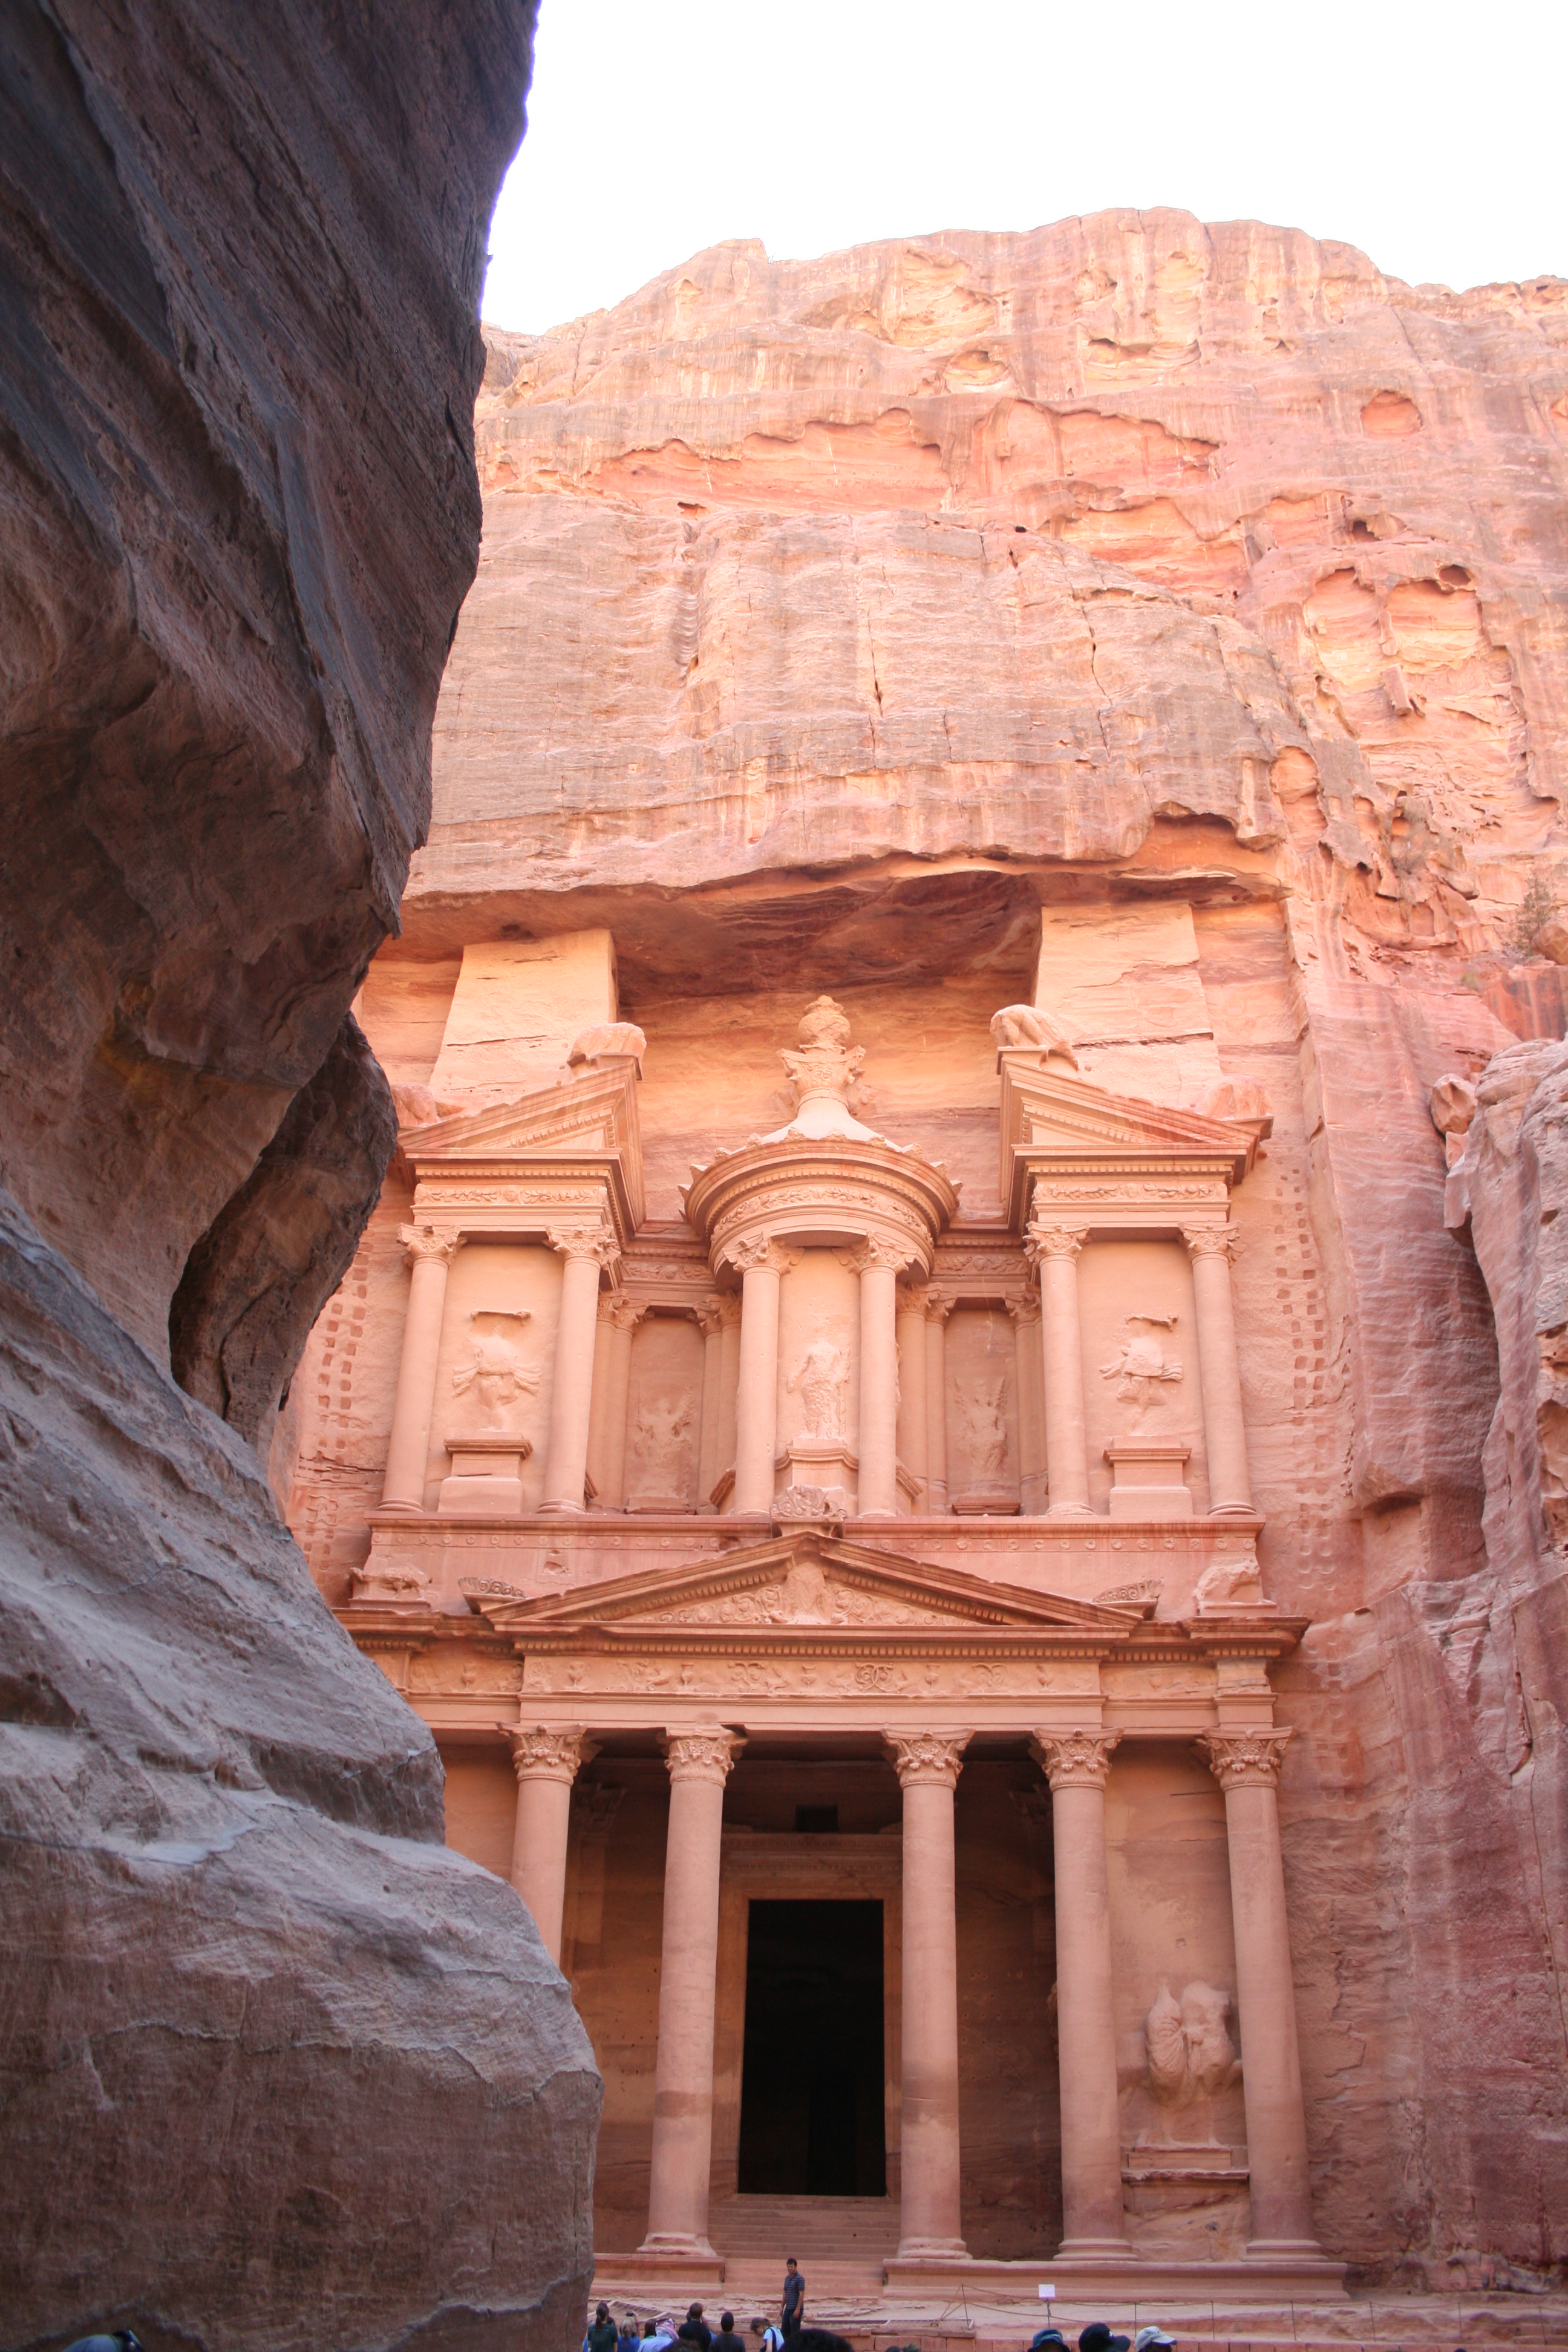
(802, 1582)
(585, 1121)
(1060, 1132)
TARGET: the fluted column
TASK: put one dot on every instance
(1054, 1250)
(729, 1380)
(763, 1263)
(710, 1323)
(1025, 1315)
(572, 1392)
(938, 1309)
(1246, 1766)
(546, 1763)
(699, 1764)
(928, 1765)
(877, 1443)
(431, 1255)
(910, 1327)
(1212, 1248)
(1076, 1764)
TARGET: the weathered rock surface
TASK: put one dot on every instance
(279, 2068)
(921, 589)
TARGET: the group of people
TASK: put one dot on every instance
(1097, 2337)
(630, 2334)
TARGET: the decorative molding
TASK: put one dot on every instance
(539, 1754)
(1244, 1760)
(1075, 1759)
(702, 1755)
(927, 1759)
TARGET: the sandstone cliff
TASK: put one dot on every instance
(276, 2061)
(837, 618)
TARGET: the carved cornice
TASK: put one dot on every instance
(1244, 1760)
(1075, 1759)
(927, 1759)
(539, 1754)
(424, 1243)
(701, 1754)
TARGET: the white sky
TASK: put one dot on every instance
(1430, 135)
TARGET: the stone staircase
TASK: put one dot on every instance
(840, 2243)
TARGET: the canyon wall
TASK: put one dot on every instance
(276, 2061)
(1178, 616)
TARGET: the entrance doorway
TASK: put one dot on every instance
(811, 2074)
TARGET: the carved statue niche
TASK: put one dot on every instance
(1190, 2054)
(495, 1373)
(1142, 1369)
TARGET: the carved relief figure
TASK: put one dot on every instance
(986, 1428)
(1190, 2053)
(821, 1377)
(495, 1371)
(1027, 1025)
(1142, 1367)
(659, 1443)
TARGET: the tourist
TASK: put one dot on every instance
(121, 2341)
(631, 2336)
(656, 2338)
(772, 2338)
(1153, 2339)
(793, 2297)
(727, 2340)
(1098, 2337)
(1049, 2340)
(818, 2339)
(694, 2329)
(603, 2335)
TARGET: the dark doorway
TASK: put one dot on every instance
(811, 2081)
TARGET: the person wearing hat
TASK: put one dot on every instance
(1098, 2337)
(121, 2341)
(1153, 2339)
(1048, 2340)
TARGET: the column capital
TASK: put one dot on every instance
(1213, 1241)
(709, 1318)
(913, 1297)
(1075, 1759)
(1244, 1760)
(706, 1754)
(1043, 1241)
(940, 1303)
(584, 1241)
(1024, 1311)
(426, 1242)
(876, 1251)
(759, 1249)
(539, 1754)
(931, 1757)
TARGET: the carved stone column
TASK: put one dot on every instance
(546, 1764)
(618, 1329)
(1076, 1763)
(710, 1323)
(699, 1764)
(1212, 1248)
(911, 1341)
(729, 1380)
(878, 1442)
(762, 1262)
(1246, 1766)
(928, 1765)
(939, 1307)
(572, 1392)
(431, 1255)
(1027, 1344)
(1054, 1250)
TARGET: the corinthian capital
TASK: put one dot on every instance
(702, 1755)
(878, 1251)
(586, 1240)
(760, 1249)
(1244, 1760)
(424, 1242)
(1042, 1242)
(1213, 1241)
(1075, 1759)
(927, 1757)
(538, 1754)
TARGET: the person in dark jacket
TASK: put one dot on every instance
(603, 2335)
(793, 2297)
(694, 2329)
(727, 2340)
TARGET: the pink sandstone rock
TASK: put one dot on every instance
(1168, 617)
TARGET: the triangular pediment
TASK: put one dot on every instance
(1051, 1119)
(802, 1582)
(590, 1115)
